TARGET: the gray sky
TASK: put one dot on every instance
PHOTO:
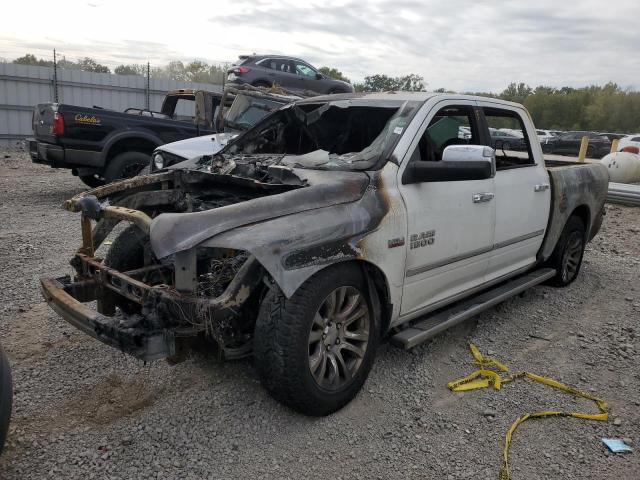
(463, 45)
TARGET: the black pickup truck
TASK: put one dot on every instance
(101, 145)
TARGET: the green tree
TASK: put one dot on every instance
(88, 64)
(30, 59)
(516, 92)
(132, 69)
(385, 83)
(333, 73)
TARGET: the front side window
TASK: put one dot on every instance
(443, 131)
(511, 150)
(306, 70)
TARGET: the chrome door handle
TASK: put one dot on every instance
(541, 187)
(483, 197)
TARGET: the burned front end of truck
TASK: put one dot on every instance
(208, 238)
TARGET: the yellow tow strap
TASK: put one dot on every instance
(488, 375)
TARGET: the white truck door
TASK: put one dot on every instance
(450, 223)
(523, 194)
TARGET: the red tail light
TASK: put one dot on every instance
(57, 128)
(631, 149)
(241, 70)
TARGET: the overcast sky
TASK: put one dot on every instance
(463, 45)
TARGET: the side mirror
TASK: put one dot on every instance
(459, 163)
(471, 153)
(319, 76)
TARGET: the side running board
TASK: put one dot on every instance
(427, 328)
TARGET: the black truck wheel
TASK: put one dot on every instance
(314, 350)
(91, 180)
(567, 256)
(127, 253)
(6, 397)
(126, 165)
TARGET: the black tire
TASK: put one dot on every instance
(127, 253)
(546, 148)
(126, 165)
(6, 397)
(506, 146)
(92, 181)
(567, 256)
(282, 342)
(261, 83)
(591, 152)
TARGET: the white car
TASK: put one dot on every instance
(464, 133)
(247, 109)
(544, 136)
(630, 141)
(517, 133)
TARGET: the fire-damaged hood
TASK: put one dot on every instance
(175, 232)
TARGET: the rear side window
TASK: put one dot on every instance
(635, 139)
(185, 110)
(513, 150)
(452, 125)
(278, 64)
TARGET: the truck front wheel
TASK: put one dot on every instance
(126, 165)
(567, 256)
(314, 350)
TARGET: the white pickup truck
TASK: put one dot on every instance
(332, 223)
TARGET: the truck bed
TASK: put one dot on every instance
(574, 186)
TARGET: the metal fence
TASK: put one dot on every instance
(24, 86)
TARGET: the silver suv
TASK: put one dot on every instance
(288, 72)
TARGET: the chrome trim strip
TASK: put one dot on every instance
(458, 258)
(521, 238)
(447, 261)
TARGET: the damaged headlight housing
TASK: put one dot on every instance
(158, 161)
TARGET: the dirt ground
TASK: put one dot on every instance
(83, 410)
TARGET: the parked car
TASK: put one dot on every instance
(323, 228)
(513, 131)
(503, 140)
(101, 146)
(613, 136)
(629, 141)
(248, 106)
(545, 135)
(569, 144)
(289, 72)
(464, 132)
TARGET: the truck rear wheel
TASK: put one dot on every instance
(6, 397)
(91, 181)
(314, 350)
(567, 256)
(126, 165)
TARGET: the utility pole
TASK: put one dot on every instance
(148, 106)
(55, 77)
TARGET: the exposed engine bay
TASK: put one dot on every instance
(308, 157)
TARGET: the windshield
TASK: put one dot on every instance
(353, 134)
(246, 111)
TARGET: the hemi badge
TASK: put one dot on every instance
(396, 242)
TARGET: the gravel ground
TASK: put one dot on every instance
(83, 411)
